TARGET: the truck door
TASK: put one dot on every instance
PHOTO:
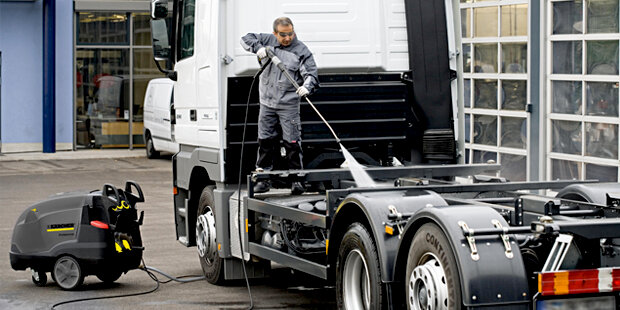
(185, 94)
(162, 110)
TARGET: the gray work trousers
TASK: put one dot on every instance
(268, 138)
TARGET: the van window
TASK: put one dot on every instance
(187, 29)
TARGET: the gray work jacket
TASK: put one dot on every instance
(275, 90)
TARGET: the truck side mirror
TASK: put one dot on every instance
(159, 9)
(159, 40)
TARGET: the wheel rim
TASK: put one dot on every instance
(67, 272)
(356, 282)
(428, 288)
(205, 236)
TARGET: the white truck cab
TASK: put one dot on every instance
(158, 118)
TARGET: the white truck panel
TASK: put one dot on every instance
(358, 35)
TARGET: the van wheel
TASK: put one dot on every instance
(432, 278)
(68, 273)
(151, 153)
(358, 279)
(206, 238)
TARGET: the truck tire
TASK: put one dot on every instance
(358, 278)
(151, 153)
(432, 280)
(206, 238)
(68, 273)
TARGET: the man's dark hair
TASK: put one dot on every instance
(284, 21)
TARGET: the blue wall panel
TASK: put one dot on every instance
(21, 43)
(22, 68)
(64, 71)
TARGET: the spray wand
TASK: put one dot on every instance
(362, 179)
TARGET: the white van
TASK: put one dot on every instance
(158, 108)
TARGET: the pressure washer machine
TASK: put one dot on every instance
(77, 234)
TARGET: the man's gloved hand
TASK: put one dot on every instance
(302, 91)
(261, 53)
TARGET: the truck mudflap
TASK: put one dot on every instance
(490, 268)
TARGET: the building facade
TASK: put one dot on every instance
(541, 81)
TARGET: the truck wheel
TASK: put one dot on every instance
(68, 273)
(206, 238)
(109, 276)
(39, 278)
(432, 278)
(151, 153)
(358, 278)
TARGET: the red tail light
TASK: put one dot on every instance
(579, 281)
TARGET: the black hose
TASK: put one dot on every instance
(245, 125)
(151, 275)
(146, 269)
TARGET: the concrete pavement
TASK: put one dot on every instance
(79, 154)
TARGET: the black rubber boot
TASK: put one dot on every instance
(297, 188)
(266, 151)
(262, 187)
(294, 155)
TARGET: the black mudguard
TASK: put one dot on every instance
(492, 280)
(375, 207)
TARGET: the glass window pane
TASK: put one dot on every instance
(514, 95)
(565, 170)
(514, 132)
(602, 57)
(187, 29)
(602, 16)
(485, 94)
(142, 29)
(102, 101)
(514, 167)
(484, 157)
(485, 58)
(566, 97)
(514, 20)
(567, 17)
(566, 137)
(466, 58)
(602, 98)
(485, 22)
(467, 128)
(567, 57)
(514, 58)
(467, 93)
(102, 28)
(466, 23)
(485, 129)
(602, 140)
(143, 71)
(601, 173)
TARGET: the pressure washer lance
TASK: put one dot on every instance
(362, 179)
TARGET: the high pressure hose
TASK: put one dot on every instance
(147, 269)
(245, 125)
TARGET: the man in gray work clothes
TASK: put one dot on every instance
(279, 101)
